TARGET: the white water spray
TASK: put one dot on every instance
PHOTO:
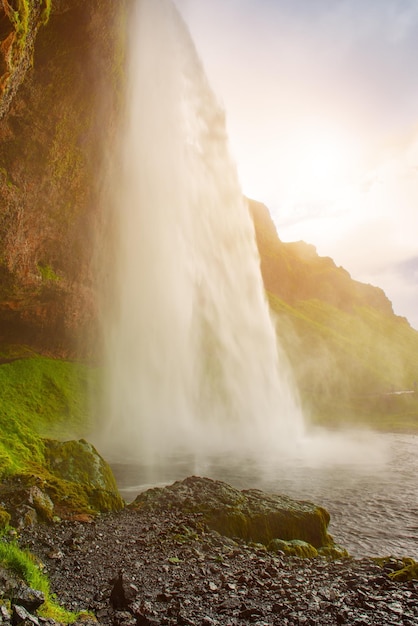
(193, 366)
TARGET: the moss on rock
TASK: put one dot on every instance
(294, 547)
(4, 518)
(251, 515)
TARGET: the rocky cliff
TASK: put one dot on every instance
(61, 65)
(354, 360)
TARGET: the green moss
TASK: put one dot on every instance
(401, 570)
(43, 399)
(47, 273)
(408, 572)
(294, 547)
(46, 12)
(22, 17)
(24, 565)
(4, 519)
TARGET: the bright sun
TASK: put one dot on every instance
(310, 163)
(320, 162)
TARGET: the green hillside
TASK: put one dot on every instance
(354, 361)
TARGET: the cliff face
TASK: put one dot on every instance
(295, 272)
(55, 126)
(353, 359)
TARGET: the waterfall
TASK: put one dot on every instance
(193, 366)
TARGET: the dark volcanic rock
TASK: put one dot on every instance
(250, 514)
(161, 565)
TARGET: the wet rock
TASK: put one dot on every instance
(295, 547)
(251, 515)
(42, 503)
(4, 518)
(5, 615)
(213, 580)
(79, 462)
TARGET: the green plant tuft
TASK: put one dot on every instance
(24, 565)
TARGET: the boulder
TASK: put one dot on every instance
(75, 481)
(81, 473)
(79, 462)
(251, 515)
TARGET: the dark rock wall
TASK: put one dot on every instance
(53, 139)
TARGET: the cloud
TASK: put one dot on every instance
(375, 239)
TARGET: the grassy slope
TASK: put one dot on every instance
(40, 397)
(348, 350)
(347, 365)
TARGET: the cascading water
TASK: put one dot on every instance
(193, 366)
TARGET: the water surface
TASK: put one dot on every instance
(373, 504)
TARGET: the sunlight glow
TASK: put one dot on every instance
(320, 163)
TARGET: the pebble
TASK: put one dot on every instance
(147, 576)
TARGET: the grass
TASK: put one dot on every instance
(25, 566)
(347, 364)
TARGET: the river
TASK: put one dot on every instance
(373, 503)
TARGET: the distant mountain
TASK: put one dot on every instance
(353, 359)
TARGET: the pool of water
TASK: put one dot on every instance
(369, 486)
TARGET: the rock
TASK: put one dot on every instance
(30, 599)
(5, 616)
(76, 481)
(21, 616)
(24, 516)
(80, 465)
(123, 593)
(4, 518)
(409, 571)
(250, 514)
(333, 552)
(79, 462)
(294, 547)
(42, 503)
(213, 580)
(8, 583)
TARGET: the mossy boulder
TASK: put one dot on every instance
(87, 478)
(75, 480)
(79, 462)
(251, 515)
(294, 547)
(409, 571)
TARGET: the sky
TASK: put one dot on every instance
(321, 102)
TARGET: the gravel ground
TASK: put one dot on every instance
(142, 567)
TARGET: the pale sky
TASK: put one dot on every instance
(321, 99)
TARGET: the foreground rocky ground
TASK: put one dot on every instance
(148, 566)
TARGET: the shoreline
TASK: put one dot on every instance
(166, 567)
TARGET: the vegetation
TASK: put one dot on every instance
(43, 400)
(40, 397)
(356, 368)
(22, 17)
(25, 566)
(354, 361)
